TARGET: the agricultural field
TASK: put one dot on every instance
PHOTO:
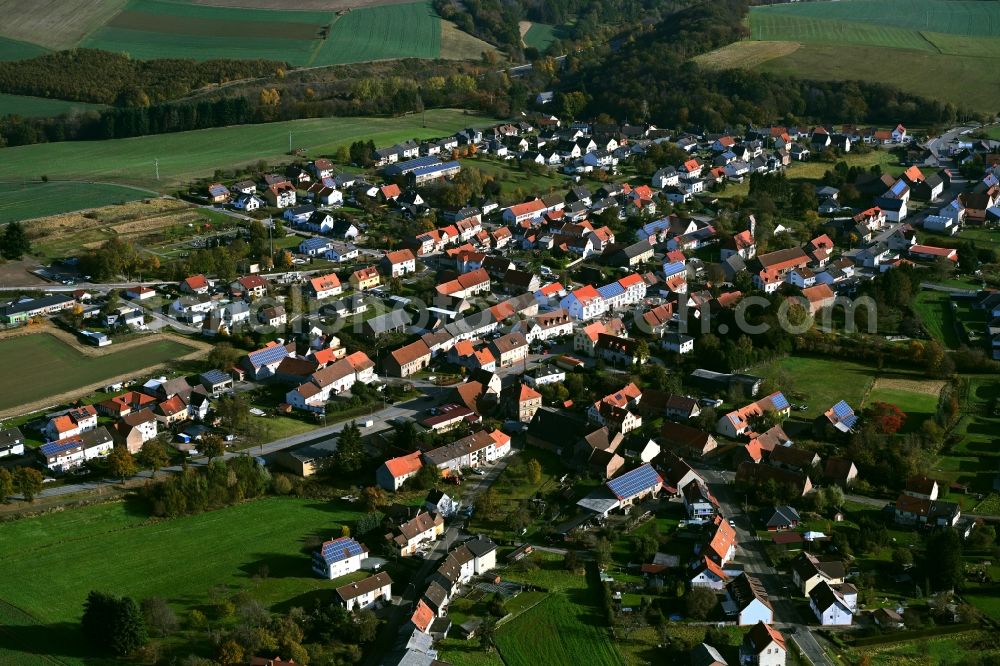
(40, 107)
(159, 226)
(940, 49)
(22, 201)
(54, 24)
(55, 367)
(179, 559)
(409, 30)
(11, 49)
(185, 156)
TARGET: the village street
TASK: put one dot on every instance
(750, 556)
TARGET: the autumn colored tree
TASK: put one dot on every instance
(887, 418)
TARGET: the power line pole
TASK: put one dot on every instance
(289, 141)
(156, 165)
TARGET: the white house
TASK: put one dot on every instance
(747, 600)
(763, 645)
(339, 557)
(393, 473)
(584, 303)
(366, 593)
(11, 442)
(65, 454)
(709, 574)
(834, 605)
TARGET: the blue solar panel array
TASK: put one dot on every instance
(673, 268)
(611, 290)
(341, 549)
(632, 483)
(780, 401)
(268, 355)
(55, 448)
(844, 414)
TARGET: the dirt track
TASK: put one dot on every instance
(924, 386)
(198, 349)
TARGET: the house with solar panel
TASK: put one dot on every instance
(636, 485)
(842, 417)
(738, 422)
(339, 557)
(262, 363)
(65, 454)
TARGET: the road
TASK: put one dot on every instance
(390, 633)
(750, 555)
(381, 418)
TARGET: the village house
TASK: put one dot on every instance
(763, 645)
(325, 286)
(399, 263)
(834, 605)
(738, 422)
(11, 442)
(809, 570)
(75, 421)
(366, 593)
(365, 278)
(425, 527)
(65, 454)
(394, 472)
(339, 557)
(135, 429)
(747, 600)
(635, 485)
(473, 451)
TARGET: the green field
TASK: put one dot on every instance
(12, 49)
(159, 28)
(109, 548)
(959, 17)
(941, 49)
(187, 155)
(54, 367)
(21, 201)
(540, 36)
(934, 309)
(409, 30)
(40, 107)
(918, 406)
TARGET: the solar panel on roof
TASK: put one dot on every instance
(673, 268)
(779, 401)
(842, 410)
(268, 355)
(631, 483)
(609, 290)
(850, 420)
(341, 549)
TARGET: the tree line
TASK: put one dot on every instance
(104, 77)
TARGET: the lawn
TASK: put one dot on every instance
(184, 156)
(918, 406)
(107, 547)
(515, 183)
(540, 36)
(20, 201)
(55, 367)
(410, 30)
(566, 628)
(935, 310)
(822, 383)
(953, 649)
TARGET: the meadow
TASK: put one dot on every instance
(40, 107)
(185, 156)
(111, 548)
(821, 383)
(20, 201)
(940, 49)
(54, 24)
(54, 367)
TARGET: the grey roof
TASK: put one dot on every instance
(216, 377)
(389, 321)
(10, 438)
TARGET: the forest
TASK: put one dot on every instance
(103, 77)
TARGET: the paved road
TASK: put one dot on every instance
(391, 632)
(380, 417)
(750, 555)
